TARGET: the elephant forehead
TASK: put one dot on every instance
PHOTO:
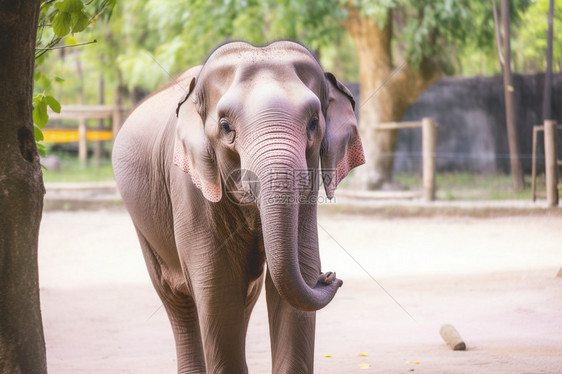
(296, 79)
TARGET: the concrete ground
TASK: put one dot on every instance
(494, 279)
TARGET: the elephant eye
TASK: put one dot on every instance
(226, 126)
(227, 130)
(312, 125)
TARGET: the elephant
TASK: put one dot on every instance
(220, 172)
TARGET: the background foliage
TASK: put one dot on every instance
(59, 21)
(141, 44)
(146, 41)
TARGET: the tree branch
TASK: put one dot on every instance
(48, 47)
(66, 46)
(46, 3)
(104, 6)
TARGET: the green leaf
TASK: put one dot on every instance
(69, 6)
(40, 116)
(61, 24)
(43, 82)
(58, 79)
(40, 60)
(38, 134)
(37, 99)
(80, 21)
(70, 40)
(50, 11)
(53, 103)
(41, 149)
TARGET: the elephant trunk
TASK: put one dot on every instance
(280, 233)
(291, 246)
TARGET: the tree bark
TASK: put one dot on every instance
(22, 344)
(386, 92)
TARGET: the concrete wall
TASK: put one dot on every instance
(472, 133)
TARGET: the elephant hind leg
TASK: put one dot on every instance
(182, 314)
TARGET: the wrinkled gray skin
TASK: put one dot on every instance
(267, 110)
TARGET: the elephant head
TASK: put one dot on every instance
(273, 113)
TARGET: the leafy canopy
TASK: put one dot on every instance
(59, 21)
(168, 35)
(531, 44)
(149, 41)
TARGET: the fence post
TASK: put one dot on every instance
(534, 166)
(429, 137)
(551, 162)
(82, 140)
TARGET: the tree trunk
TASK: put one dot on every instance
(22, 345)
(504, 53)
(386, 93)
(512, 137)
(547, 96)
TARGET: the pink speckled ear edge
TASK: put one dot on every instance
(352, 157)
(182, 158)
(191, 150)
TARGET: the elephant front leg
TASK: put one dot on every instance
(291, 332)
(221, 309)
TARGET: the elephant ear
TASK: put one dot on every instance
(192, 152)
(341, 148)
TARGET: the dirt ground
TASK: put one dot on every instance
(493, 279)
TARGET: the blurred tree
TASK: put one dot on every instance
(503, 42)
(403, 47)
(477, 54)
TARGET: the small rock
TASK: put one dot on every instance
(452, 338)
